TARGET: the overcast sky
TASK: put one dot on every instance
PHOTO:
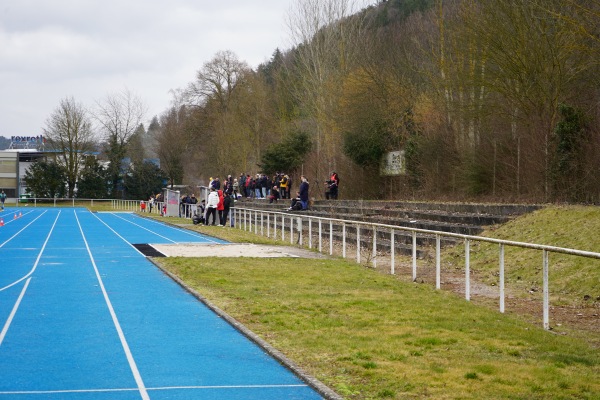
(88, 49)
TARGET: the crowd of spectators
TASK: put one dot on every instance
(222, 196)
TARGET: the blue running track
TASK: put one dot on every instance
(84, 315)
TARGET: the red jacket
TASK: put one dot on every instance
(220, 206)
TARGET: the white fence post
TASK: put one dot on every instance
(467, 270)
(438, 262)
(330, 237)
(414, 256)
(374, 247)
(358, 243)
(309, 232)
(344, 240)
(320, 237)
(546, 312)
(393, 250)
(501, 283)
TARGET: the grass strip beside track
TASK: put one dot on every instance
(371, 336)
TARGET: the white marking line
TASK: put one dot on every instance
(37, 261)
(22, 229)
(146, 229)
(121, 237)
(10, 220)
(129, 355)
(186, 231)
(155, 389)
(13, 312)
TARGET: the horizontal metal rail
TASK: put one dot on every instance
(245, 218)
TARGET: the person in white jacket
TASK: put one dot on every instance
(211, 206)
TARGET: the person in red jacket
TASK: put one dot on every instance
(221, 206)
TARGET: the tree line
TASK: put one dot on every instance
(97, 152)
(489, 100)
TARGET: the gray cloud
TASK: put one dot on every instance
(88, 49)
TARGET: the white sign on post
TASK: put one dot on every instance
(393, 163)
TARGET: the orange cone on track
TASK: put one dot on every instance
(15, 216)
(1, 221)
(20, 214)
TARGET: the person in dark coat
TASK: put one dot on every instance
(304, 192)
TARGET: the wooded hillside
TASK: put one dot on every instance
(492, 100)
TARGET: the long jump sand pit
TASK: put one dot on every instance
(233, 250)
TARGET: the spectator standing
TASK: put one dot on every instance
(227, 202)
(236, 189)
(257, 191)
(150, 203)
(211, 206)
(187, 205)
(221, 206)
(332, 186)
(264, 185)
(242, 184)
(304, 192)
(289, 186)
(248, 186)
(283, 186)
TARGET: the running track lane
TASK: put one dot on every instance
(96, 320)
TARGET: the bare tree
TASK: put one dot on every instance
(325, 34)
(119, 116)
(216, 80)
(69, 132)
(172, 143)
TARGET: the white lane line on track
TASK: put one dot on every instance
(187, 232)
(146, 229)
(8, 221)
(121, 237)
(154, 389)
(37, 261)
(132, 365)
(13, 312)
(22, 229)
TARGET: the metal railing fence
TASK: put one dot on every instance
(277, 224)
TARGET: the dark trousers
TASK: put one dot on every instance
(211, 211)
(223, 216)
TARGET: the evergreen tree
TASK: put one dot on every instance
(46, 180)
(94, 182)
(144, 179)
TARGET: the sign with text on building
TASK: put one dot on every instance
(29, 139)
(393, 163)
(24, 142)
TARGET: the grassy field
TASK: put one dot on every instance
(369, 335)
